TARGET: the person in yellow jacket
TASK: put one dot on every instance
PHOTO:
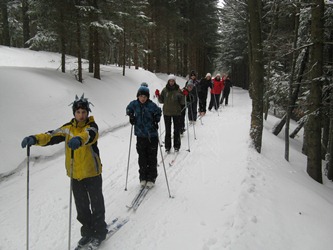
(80, 135)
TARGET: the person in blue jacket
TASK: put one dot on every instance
(145, 116)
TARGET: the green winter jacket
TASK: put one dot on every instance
(173, 100)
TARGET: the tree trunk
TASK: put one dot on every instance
(97, 60)
(325, 130)
(136, 56)
(78, 40)
(297, 129)
(277, 129)
(150, 61)
(168, 59)
(157, 51)
(97, 71)
(5, 23)
(313, 126)
(185, 59)
(124, 51)
(62, 34)
(25, 20)
(329, 165)
(91, 50)
(330, 144)
(291, 81)
(257, 72)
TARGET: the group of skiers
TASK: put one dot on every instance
(196, 91)
(81, 135)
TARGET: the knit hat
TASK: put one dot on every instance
(208, 75)
(144, 84)
(81, 103)
(143, 91)
(172, 77)
(190, 83)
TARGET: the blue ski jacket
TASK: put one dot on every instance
(146, 116)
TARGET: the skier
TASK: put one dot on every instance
(145, 116)
(194, 82)
(80, 135)
(216, 92)
(226, 90)
(193, 77)
(173, 99)
(203, 86)
(190, 93)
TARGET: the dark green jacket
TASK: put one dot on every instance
(173, 100)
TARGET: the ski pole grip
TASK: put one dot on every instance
(28, 151)
(72, 154)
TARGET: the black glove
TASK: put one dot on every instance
(132, 119)
(75, 142)
(28, 141)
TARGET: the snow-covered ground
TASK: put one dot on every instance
(226, 196)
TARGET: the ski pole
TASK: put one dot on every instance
(28, 164)
(166, 177)
(129, 156)
(70, 200)
(232, 96)
(191, 110)
(158, 105)
(188, 133)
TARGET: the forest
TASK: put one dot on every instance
(280, 50)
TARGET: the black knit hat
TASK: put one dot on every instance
(143, 91)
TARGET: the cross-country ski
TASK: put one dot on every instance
(139, 197)
(173, 161)
(112, 228)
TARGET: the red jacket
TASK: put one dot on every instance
(218, 86)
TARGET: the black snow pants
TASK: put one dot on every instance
(214, 101)
(176, 131)
(90, 207)
(225, 96)
(147, 150)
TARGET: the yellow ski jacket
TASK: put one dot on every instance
(87, 162)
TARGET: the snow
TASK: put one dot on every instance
(226, 196)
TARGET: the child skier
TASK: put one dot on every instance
(145, 116)
(80, 135)
(190, 93)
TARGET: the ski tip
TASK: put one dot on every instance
(125, 220)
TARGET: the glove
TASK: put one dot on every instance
(75, 143)
(157, 93)
(155, 124)
(185, 92)
(28, 141)
(132, 119)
